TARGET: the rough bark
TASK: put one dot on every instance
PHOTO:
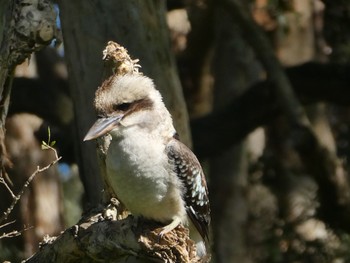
(97, 238)
(141, 27)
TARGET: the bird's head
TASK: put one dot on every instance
(128, 101)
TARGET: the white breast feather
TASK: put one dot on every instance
(141, 179)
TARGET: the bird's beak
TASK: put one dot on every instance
(103, 126)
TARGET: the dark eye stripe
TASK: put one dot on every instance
(122, 107)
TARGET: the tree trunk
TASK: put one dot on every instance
(234, 67)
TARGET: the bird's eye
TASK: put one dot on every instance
(122, 107)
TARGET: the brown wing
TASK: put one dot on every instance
(190, 172)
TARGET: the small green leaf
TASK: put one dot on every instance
(49, 144)
(44, 145)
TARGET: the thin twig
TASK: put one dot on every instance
(17, 197)
(2, 181)
(13, 233)
(8, 223)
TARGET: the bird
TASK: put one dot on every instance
(151, 171)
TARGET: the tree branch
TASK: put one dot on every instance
(264, 51)
(17, 197)
(312, 82)
(96, 238)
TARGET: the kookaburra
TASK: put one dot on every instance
(152, 173)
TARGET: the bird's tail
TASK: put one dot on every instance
(200, 243)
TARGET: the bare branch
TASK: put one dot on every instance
(2, 181)
(17, 197)
(8, 223)
(13, 233)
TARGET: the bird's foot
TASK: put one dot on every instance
(176, 221)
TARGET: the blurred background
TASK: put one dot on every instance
(258, 89)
